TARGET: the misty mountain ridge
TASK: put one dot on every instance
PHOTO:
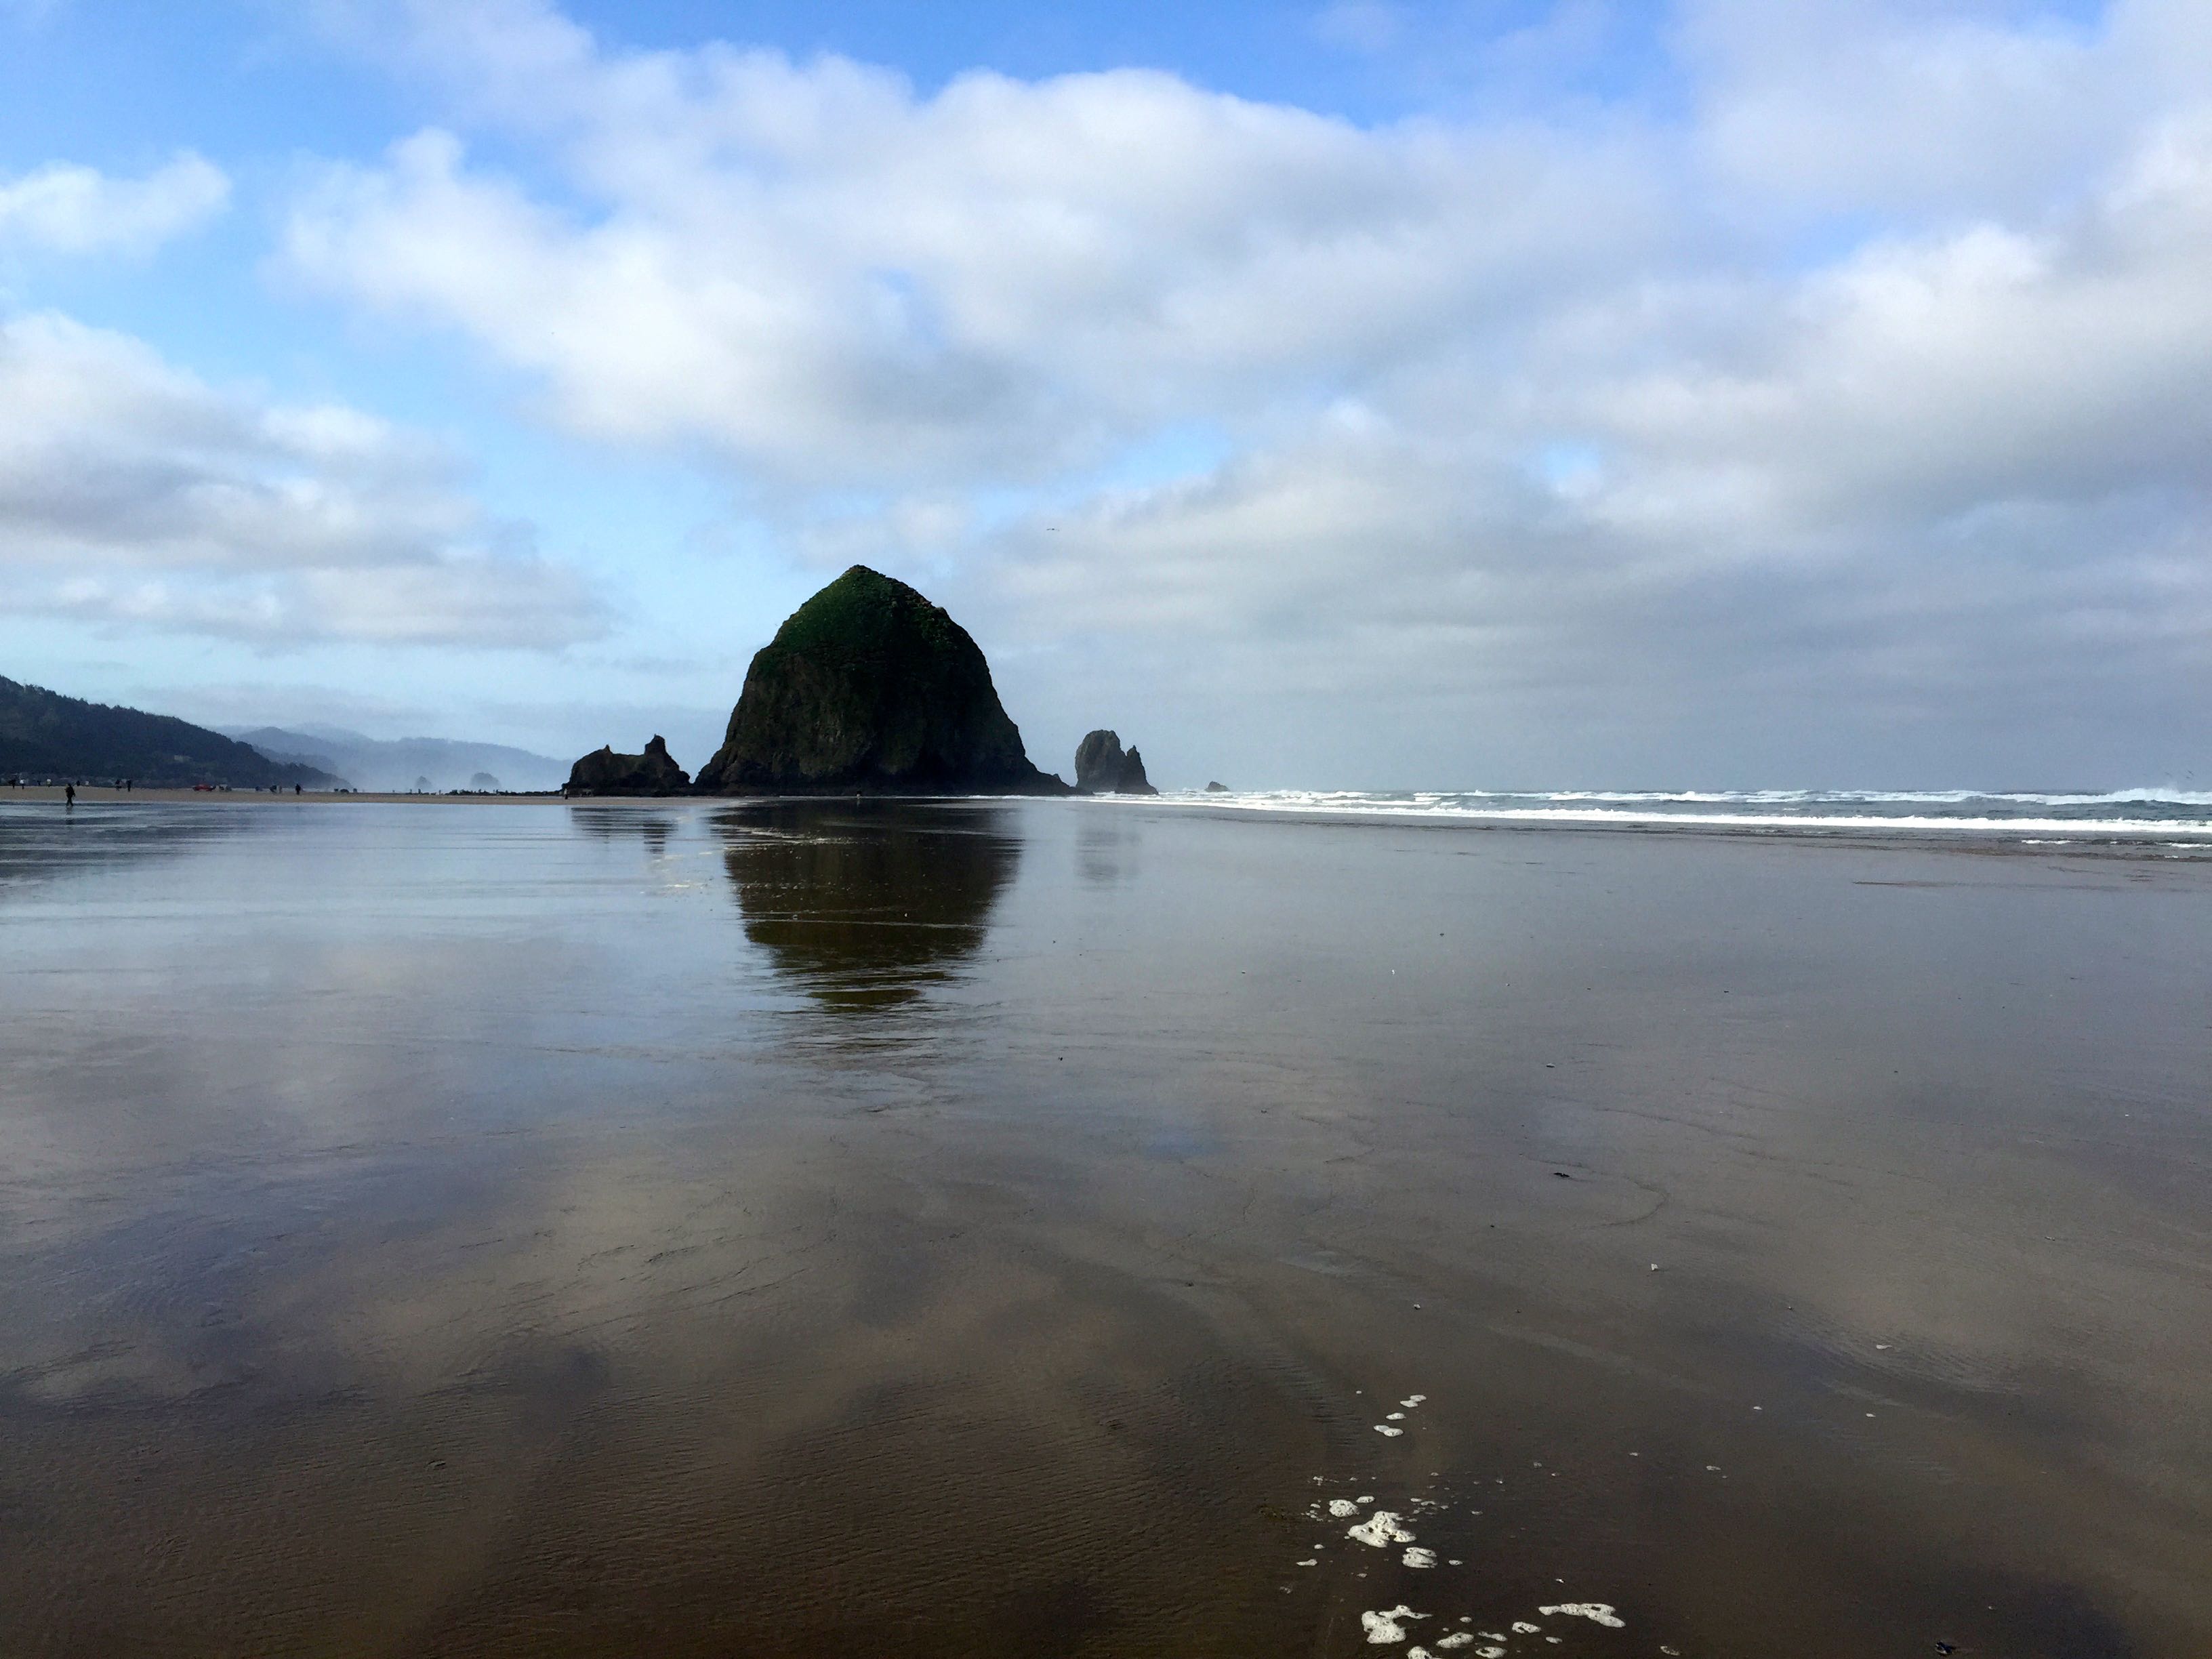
(400, 764)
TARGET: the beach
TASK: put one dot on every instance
(98, 794)
(1066, 1227)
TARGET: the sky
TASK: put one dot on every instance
(1438, 394)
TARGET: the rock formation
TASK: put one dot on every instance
(1213, 788)
(603, 772)
(1101, 768)
(869, 688)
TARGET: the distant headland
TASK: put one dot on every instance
(46, 737)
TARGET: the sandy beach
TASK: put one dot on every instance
(96, 794)
(784, 1228)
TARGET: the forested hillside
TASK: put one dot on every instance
(44, 735)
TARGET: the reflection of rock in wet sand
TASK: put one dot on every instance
(864, 903)
(619, 822)
(1106, 849)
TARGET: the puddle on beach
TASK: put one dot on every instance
(1003, 1228)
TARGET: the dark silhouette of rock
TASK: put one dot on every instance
(1098, 762)
(603, 772)
(1212, 788)
(869, 688)
(865, 905)
(1101, 768)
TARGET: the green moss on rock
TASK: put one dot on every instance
(868, 688)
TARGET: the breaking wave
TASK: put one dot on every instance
(2141, 814)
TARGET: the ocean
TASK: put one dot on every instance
(1322, 1226)
(2122, 816)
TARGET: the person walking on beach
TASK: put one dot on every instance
(68, 797)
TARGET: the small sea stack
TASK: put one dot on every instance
(1102, 768)
(603, 772)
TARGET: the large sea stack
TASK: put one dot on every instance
(869, 688)
(1101, 768)
(603, 772)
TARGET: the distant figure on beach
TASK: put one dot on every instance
(69, 795)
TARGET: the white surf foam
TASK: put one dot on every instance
(1388, 1626)
(1598, 1613)
(1380, 1531)
(2161, 812)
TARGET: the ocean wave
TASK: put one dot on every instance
(2167, 796)
(2129, 814)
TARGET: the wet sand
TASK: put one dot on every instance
(697, 1228)
(91, 794)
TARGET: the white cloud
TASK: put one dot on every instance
(833, 280)
(1872, 106)
(1958, 480)
(62, 207)
(1924, 377)
(1533, 416)
(136, 496)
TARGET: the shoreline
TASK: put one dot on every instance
(2136, 839)
(1936, 830)
(101, 795)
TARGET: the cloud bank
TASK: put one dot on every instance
(137, 497)
(1862, 396)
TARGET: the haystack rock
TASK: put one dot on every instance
(1101, 768)
(869, 688)
(603, 772)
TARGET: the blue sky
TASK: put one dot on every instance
(1384, 395)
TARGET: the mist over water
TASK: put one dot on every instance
(996, 1227)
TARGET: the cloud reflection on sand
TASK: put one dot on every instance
(437, 1236)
